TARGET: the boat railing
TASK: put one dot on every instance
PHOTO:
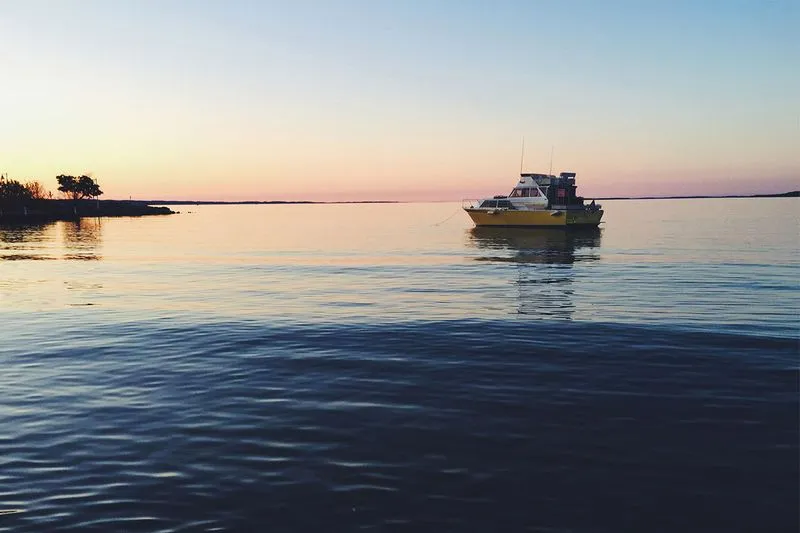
(470, 203)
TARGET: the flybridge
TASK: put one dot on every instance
(545, 176)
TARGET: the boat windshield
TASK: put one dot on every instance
(525, 192)
(495, 204)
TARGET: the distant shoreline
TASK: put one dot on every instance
(260, 202)
(54, 210)
(790, 194)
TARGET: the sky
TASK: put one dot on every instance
(400, 100)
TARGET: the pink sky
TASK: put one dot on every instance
(400, 101)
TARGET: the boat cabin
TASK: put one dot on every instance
(539, 191)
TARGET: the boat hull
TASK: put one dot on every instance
(536, 219)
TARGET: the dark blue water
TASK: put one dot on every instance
(452, 381)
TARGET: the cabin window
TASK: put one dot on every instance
(489, 203)
(516, 193)
(503, 203)
(534, 192)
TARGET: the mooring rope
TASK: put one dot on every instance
(448, 218)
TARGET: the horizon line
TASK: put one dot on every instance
(787, 194)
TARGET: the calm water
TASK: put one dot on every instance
(388, 368)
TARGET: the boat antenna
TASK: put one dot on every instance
(551, 160)
(522, 155)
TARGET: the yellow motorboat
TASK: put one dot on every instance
(538, 200)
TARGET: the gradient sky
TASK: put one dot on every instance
(413, 99)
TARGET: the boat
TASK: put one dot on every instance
(537, 200)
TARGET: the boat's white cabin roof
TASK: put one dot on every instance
(532, 187)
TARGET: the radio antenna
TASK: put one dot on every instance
(522, 156)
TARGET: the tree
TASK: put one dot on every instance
(36, 190)
(13, 191)
(78, 188)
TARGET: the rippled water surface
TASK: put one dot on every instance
(385, 367)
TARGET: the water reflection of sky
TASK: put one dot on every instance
(716, 263)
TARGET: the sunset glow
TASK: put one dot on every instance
(357, 100)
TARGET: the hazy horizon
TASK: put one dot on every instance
(359, 100)
(367, 199)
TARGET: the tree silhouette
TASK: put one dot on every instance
(78, 188)
(13, 191)
(36, 190)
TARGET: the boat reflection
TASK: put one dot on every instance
(544, 259)
(529, 245)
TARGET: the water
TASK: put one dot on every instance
(385, 367)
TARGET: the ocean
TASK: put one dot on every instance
(388, 367)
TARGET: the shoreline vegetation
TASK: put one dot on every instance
(48, 210)
(31, 202)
